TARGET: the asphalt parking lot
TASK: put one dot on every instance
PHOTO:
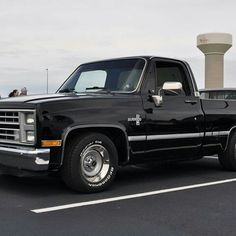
(190, 198)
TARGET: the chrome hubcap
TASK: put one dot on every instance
(95, 163)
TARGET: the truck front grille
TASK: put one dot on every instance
(17, 126)
(9, 126)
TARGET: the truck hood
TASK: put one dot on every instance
(41, 98)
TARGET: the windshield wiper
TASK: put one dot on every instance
(67, 90)
(98, 89)
(95, 87)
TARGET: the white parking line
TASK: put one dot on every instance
(132, 196)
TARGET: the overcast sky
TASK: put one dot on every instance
(61, 34)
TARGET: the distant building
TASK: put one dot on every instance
(225, 93)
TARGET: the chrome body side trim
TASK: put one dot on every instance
(223, 133)
(174, 136)
(172, 148)
(137, 138)
(164, 136)
(217, 133)
(177, 136)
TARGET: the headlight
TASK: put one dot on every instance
(30, 137)
(27, 127)
(30, 118)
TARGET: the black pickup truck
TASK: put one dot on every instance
(112, 113)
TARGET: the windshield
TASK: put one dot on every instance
(117, 75)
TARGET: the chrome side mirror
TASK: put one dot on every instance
(157, 99)
(174, 88)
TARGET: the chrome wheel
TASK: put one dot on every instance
(91, 162)
(95, 163)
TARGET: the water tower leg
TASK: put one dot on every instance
(214, 71)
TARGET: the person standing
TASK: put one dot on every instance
(23, 91)
(14, 93)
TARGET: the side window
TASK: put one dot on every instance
(171, 72)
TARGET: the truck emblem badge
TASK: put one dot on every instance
(137, 119)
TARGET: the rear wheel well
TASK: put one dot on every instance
(117, 136)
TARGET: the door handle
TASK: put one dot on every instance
(191, 101)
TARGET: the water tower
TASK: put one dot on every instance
(214, 46)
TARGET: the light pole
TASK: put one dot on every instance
(47, 79)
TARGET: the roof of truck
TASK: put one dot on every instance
(135, 57)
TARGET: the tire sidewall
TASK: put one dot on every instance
(232, 157)
(79, 150)
(228, 158)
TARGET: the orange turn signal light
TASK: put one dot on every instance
(51, 143)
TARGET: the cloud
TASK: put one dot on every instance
(61, 34)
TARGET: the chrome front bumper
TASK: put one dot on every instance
(25, 159)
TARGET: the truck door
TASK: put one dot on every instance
(175, 128)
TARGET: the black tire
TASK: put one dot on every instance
(228, 158)
(90, 163)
